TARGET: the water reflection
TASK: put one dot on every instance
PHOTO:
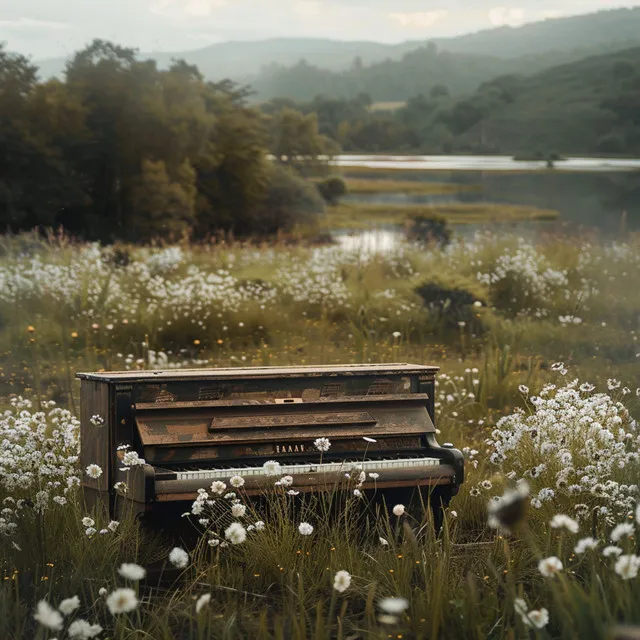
(483, 163)
(594, 199)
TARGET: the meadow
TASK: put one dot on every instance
(539, 356)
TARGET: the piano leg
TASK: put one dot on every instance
(438, 499)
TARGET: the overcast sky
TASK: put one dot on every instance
(48, 28)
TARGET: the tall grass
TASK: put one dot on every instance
(68, 307)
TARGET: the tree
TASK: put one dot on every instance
(162, 208)
(295, 139)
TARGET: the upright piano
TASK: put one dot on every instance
(159, 436)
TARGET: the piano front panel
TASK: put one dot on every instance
(209, 433)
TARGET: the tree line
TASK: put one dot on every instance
(123, 150)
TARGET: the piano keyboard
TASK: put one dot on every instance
(325, 467)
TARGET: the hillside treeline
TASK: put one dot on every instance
(587, 107)
(122, 150)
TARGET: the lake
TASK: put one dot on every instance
(589, 193)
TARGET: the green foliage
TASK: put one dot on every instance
(289, 200)
(121, 150)
(332, 189)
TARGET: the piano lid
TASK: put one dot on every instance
(151, 376)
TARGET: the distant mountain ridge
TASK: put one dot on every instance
(589, 34)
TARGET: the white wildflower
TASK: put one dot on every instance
(218, 487)
(69, 605)
(548, 567)
(84, 630)
(238, 510)
(342, 581)
(305, 529)
(538, 618)
(202, 601)
(627, 566)
(94, 471)
(88, 522)
(585, 544)
(179, 557)
(611, 551)
(621, 530)
(322, 444)
(47, 616)
(132, 571)
(398, 510)
(560, 521)
(393, 605)
(271, 468)
(122, 600)
(235, 533)
(236, 482)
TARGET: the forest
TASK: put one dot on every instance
(122, 150)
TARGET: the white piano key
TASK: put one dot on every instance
(326, 467)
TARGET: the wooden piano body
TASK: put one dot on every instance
(192, 427)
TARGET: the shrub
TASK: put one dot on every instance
(451, 299)
(332, 189)
(573, 447)
(427, 230)
(289, 200)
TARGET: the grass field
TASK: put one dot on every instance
(539, 357)
(361, 185)
(363, 215)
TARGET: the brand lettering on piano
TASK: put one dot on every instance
(289, 448)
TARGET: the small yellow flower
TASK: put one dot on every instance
(31, 328)
(74, 334)
(196, 342)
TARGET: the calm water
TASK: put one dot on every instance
(589, 193)
(482, 163)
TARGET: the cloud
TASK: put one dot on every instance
(511, 16)
(186, 8)
(418, 19)
(309, 8)
(27, 24)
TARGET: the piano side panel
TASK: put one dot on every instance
(95, 446)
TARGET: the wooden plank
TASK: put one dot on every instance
(95, 441)
(262, 451)
(420, 398)
(263, 372)
(291, 420)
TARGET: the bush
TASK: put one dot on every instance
(426, 230)
(289, 200)
(452, 301)
(332, 189)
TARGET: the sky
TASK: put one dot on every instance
(51, 28)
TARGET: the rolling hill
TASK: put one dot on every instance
(531, 47)
(589, 106)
